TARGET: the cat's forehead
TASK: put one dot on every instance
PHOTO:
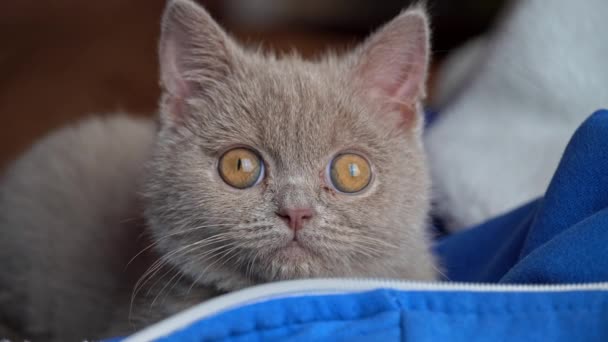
(300, 108)
(295, 112)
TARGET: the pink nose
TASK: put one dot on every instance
(295, 216)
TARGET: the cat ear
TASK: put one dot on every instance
(194, 51)
(391, 65)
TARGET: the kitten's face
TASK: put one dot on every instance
(280, 169)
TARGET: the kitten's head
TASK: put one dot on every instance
(277, 168)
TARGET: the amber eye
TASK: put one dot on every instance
(241, 168)
(350, 173)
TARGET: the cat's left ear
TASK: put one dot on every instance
(391, 65)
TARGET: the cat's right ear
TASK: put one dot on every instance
(195, 53)
(391, 65)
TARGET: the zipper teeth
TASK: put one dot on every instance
(478, 287)
(311, 287)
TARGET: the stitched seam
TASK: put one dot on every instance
(258, 328)
(295, 324)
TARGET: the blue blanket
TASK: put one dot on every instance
(558, 239)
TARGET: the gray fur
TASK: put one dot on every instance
(67, 207)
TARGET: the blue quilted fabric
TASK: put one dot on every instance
(560, 238)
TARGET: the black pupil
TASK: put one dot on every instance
(239, 164)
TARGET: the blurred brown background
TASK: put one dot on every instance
(61, 60)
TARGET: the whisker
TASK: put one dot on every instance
(141, 282)
(377, 243)
(163, 260)
(441, 273)
(158, 240)
(204, 271)
(153, 285)
(250, 264)
(200, 244)
(163, 289)
(176, 282)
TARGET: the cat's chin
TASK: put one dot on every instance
(295, 260)
(294, 251)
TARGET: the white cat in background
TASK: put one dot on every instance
(515, 99)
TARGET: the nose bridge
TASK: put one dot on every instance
(294, 195)
(295, 204)
(295, 179)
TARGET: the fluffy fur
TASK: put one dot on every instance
(69, 207)
(66, 211)
(512, 100)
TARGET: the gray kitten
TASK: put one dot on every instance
(260, 169)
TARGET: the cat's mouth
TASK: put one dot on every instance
(293, 259)
(294, 250)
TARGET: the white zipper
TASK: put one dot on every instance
(310, 287)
